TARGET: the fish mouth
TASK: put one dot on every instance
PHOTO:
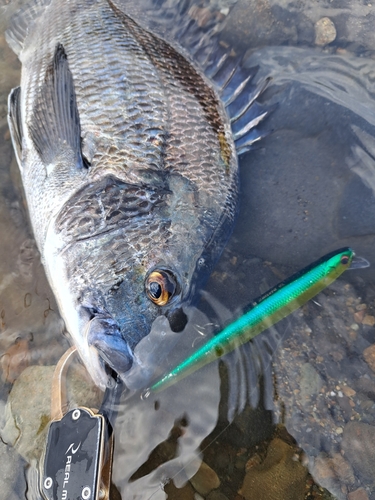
(104, 335)
(110, 348)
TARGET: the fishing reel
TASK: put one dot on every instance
(79, 450)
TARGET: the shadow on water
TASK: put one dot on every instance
(306, 189)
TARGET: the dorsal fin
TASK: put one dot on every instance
(21, 23)
(180, 21)
(223, 67)
(176, 22)
(55, 120)
(235, 86)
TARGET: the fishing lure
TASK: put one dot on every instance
(267, 310)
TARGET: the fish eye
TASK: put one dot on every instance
(344, 260)
(160, 287)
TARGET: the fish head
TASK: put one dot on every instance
(127, 311)
(117, 319)
(146, 260)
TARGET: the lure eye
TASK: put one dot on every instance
(344, 260)
(160, 287)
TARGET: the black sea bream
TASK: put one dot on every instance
(128, 155)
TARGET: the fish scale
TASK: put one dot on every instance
(113, 111)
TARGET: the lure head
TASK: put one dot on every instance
(338, 262)
(344, 259)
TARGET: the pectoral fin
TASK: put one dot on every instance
(14, 121)
(55, 126)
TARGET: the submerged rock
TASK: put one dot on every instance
(205, 480)
(184, 493)
(358, 443)
(329, 406)
(216, 495)
(359, 494)
(12, 481)
(325, 31)
(311, 382)
(278, 476)
(335, 474)
(369, 355)
(26, 425)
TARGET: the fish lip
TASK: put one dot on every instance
(104, 335)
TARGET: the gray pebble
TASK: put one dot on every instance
(311, 382)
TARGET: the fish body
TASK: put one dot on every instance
(129, 165)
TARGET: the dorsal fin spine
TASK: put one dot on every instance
(236, 92)
(261, 87)
(252, 124)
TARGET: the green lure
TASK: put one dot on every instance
(270, 308)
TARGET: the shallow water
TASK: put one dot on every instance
(307, 189)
